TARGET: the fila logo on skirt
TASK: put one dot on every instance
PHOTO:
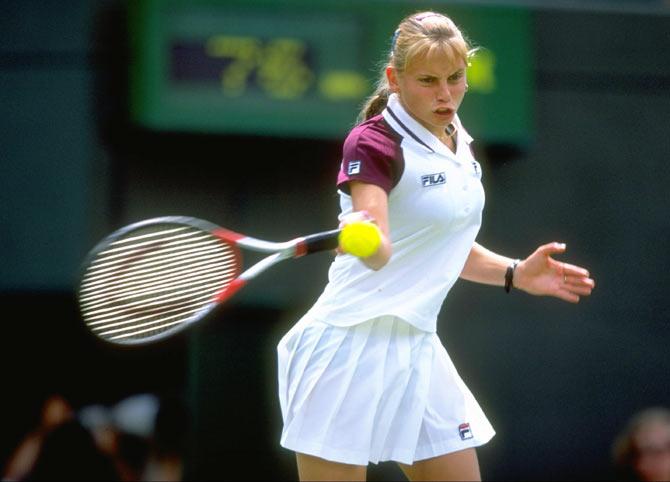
(464, 431)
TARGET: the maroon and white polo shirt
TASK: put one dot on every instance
(435, 206)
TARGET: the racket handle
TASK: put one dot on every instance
(318, 242)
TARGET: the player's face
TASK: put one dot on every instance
(431, 89)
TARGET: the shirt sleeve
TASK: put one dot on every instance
(368, 156)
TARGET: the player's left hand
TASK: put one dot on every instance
(540, 274)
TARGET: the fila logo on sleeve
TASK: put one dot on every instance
(354, 167)
(433, 179)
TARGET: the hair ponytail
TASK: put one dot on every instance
(376, 103)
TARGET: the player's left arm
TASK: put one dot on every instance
(538, 274)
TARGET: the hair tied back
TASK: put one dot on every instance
(421, 18)
(393, 39)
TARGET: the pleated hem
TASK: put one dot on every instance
(435, 449)
(403, 456)
(344, 456)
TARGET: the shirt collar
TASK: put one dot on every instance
(396, 115)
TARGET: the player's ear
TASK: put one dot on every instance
(392, 77)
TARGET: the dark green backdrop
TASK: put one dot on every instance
(557, 381)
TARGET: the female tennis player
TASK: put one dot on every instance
(363, 377)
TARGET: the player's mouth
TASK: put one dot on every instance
(444, 112)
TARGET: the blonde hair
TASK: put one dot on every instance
(419, 35)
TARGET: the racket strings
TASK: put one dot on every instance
(154, 279)
(174, 249)
(100, 308)
(145, 284)
(150, 323)
(181, 256)
(167, 304)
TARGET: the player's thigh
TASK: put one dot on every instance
(461, 465)
(315, 468)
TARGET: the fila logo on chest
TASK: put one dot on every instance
(433, 179)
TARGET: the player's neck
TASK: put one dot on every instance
(449, 137)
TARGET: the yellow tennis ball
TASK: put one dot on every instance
(361, 239)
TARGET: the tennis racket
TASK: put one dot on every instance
(154, 278)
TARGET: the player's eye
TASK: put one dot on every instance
(455, 77)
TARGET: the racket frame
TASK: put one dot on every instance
(277, 252)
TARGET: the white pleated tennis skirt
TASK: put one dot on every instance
(379, 390)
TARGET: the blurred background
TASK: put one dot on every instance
(234, 111)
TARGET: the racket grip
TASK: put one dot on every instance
(318, 242)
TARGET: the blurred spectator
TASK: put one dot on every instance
(126, 450)
(141, 437)
(642, 450)
(69, 452)
(143, 434)
(168, 444)
(55, 411)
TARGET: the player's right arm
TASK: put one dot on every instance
(372, 199)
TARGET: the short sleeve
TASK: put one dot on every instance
(371, 154)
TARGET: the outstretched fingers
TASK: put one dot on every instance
(551, 248)
(576, 283)
(571, 270)
(573, 281)
(582, 285)
(567, 295)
